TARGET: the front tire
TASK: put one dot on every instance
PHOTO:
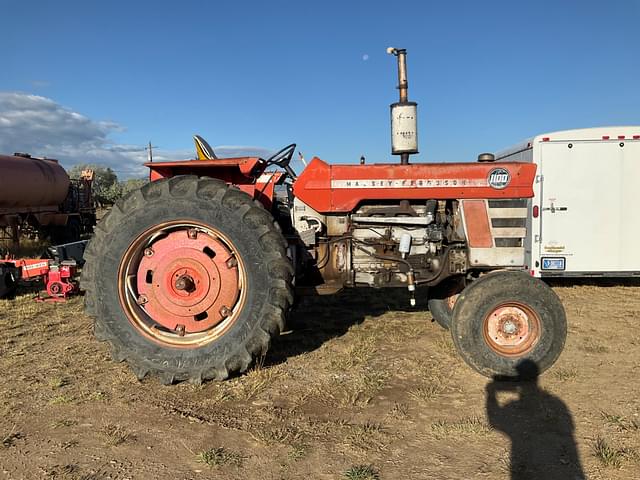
(442, 300)
(505, 320)
(187, 278)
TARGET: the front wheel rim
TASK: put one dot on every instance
(182, 283)
(512, 329)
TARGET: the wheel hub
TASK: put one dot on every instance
(511, 330)
(186, 281)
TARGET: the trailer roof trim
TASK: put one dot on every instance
(593, 133)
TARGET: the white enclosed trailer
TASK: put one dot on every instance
(583, 220)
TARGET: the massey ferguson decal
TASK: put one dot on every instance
(410, 183)
(499, 178)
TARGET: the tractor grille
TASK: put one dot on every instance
(508, 222)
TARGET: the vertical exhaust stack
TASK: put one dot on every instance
(404, 114)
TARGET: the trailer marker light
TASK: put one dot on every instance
(545, 139)
(605, 137)
(636, 137)
(536, 211)
(620, 137)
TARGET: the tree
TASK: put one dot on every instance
(131, 184)
(106, 188)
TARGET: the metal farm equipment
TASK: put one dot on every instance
(37, 197)
(57, 272)
(191, 276)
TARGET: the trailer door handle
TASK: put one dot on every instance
(554, 209)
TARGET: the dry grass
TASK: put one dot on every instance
(399, 411)
(620, 422)
(270, 434)
(429, 391)
(65, 472)
(9, 439)
(607, 455)
(335, 394)
(62, 400)
(366, 436)
(356, 355)
(22, 308)
(116, 434)
(220, 456)
(361, 472)
(591, 345)
(256, 381)
(469, 426)
(58, 382)
(565, 373)
(64, 423)
(297, 452)
(444, 345)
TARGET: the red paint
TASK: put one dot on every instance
(58, 279)
(620, 137)
(477, 222)
(242, 172)
(200, 260)
(636, 137)
(232, 170)
(605, 137)
(545, 139)
(314, 185)
(536, 211)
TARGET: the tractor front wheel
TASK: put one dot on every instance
(188, 279)
(506, 321)
(442, 299)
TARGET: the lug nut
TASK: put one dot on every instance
(180, 330)
(224, 311)
(148, 252)
(142, 299)
(232, 262)
(192, 233)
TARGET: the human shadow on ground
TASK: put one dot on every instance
(539, 425)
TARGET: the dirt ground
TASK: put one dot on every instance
(360, 387)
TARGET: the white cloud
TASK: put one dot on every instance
(44, 128)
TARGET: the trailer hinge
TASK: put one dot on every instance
(539, 178)
(536, 239)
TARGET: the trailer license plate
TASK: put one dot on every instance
(553, 263)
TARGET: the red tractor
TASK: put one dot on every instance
(191, 276)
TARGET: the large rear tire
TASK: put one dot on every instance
(187, 278)
(506, 320)
(7, 280)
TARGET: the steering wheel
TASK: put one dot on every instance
(282, 158)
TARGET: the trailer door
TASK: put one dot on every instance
(590, 199)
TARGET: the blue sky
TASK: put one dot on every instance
(485, 74)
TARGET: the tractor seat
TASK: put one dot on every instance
(203, 149)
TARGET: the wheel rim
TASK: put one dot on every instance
(182, 283)
(511, 329)
(451, 301)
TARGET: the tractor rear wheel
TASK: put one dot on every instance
(7, 280)
(188, 279)
(508, 319)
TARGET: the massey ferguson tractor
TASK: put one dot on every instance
(192, 275)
